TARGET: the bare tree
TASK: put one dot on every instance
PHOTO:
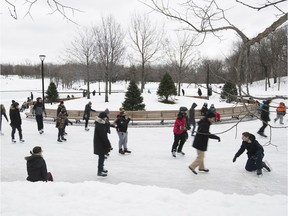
(146, 39)
(207, 18)
(109, 48)
(55, 6)
(180, 53)
(81, 51)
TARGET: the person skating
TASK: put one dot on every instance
(121, 124)
(36, 166)
(264, 117)
(192, 118)
(61, 122)
(255, 153)
(281, 112)
(2, 113)
(60, 107)
(101, 142)
(200, 142)
(15, 121)
(86, 116)
(204, 109)
(38, 110)
(179, 131)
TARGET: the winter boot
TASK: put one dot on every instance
(192, 170)
(21, 140)
(126, 151)
(204, 170)
(101, 174)
(63, 139)
(180, 152)
(261, 134)
(264, 165)
(259, 172)
(121, 151)
(59, 140)
(13, 140)
(174, 153)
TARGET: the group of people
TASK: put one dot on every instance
(36, 166)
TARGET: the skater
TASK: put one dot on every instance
(200, 142)
(31, 96)
(93, 93)
(255, 153)
(60, 107)
(192, 118)
(183, 92)
(15, 121)
(264, 117)
(36, 166)
(281, 112)
(38, 110)
(61, 122)
(179, 131)
(2, 113)
(204, 109)
(101, 142)
(86, 115)
(121, 125)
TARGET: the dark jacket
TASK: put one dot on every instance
(265, 112)
(192, 113)
(39, 108)
(101, 142)
(204, 110)
(121, 123)
(36, 168)
(87, 111)
(15, 118)
(203, 134)
(253, 148)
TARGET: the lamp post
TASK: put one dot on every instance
(42, 57)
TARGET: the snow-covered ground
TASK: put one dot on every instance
(149, 181)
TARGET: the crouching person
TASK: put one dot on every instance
(255, 153)
(36, 166)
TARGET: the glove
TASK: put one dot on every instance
(218, 138)
(234, 159)
(70, 122)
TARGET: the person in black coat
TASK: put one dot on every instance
(192, 118)
(36, 166)
(15, 121)
(101, 142)
(255, 153)
(204, 109)
(264, 117)
(201, 142)
(86, 115)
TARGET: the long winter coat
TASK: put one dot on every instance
(203, 134)
(253, 148)
(15, 118)
(36, 168)
(101, 142)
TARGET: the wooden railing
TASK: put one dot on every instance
(160, 115)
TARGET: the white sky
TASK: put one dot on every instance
(23, 40)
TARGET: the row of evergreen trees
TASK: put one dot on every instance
(134, 101)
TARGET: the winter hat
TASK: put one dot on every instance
(107, 111)
(15, 104)
(102, 115)
(61, 102)
(211, 115)
(183, 109)
(36, 150)
(122, 111)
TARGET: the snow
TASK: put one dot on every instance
(149, 181)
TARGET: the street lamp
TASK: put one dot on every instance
(42, 57)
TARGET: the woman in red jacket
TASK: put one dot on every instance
(179, 131)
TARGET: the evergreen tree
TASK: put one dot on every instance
(166, 88)
(52, 93)
(229, 91)
(133, 99)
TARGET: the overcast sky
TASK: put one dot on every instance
(23, 40)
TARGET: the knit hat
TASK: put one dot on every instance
(211, 115)
(36, 150)
(102, 115)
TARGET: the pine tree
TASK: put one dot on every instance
(133, 99)
(229, 91)
(52, 93)
(166, 88)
